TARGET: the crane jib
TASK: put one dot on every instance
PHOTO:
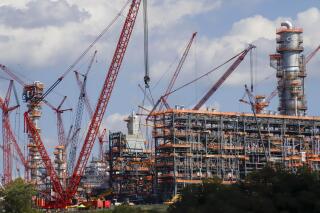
(104, 97)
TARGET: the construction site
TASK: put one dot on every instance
(186, 145)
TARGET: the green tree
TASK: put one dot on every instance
(270, 190)
(17, 197)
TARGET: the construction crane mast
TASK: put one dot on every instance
(78, 119)
(56, 185)
(31, 93)
(14, 141)
(7, 151)
(101, 141)
(64, 197)
(86, 99)
(222, 79)
(104, 97)
(89, 109)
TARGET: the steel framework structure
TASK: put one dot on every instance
(193, 145)
(130, 168)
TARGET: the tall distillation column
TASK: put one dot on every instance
(289, 63)
(60, 163)
(31, 94)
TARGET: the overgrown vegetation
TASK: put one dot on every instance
(16, 197)
(270, 190)
(266, 191)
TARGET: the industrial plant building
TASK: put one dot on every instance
(193, 145)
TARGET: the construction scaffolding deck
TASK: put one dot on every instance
(130, 168)
(194, 145)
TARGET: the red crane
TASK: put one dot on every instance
(65, 197)
(16, 146)
(7, 152)
(36, 137)
(177, 71)
(104, 97)
(310, 56)
(222, 79)
(56, 185)
(14, 156)
(60, 128)
(12, 75)
(101, 141)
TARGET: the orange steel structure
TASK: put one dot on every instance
(31, 93)
(192, 145)
(130, 168)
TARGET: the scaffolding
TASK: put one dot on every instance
(130, 168)
(95, 180)
(31, 93)
(194, 145)
(130, 163)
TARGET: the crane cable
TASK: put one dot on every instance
(146, 44)
(55, 84)
(200, 77)
(251, 72)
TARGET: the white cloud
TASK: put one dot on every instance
(115, 122)
(42, 47)
(52, 39)
(310, 20)
(41, 14)
(257, 30)
(16, 3)
(60, 30)
(168, 13)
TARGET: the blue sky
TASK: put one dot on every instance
(41, 38)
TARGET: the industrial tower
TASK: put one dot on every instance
(290, 65)
(31, 93)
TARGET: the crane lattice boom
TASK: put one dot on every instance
(178, 69)
(222, 79)
(104, 97)
(312, 54)
(78, 120)
(7, 135)
(57, 187)
(60, 127)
